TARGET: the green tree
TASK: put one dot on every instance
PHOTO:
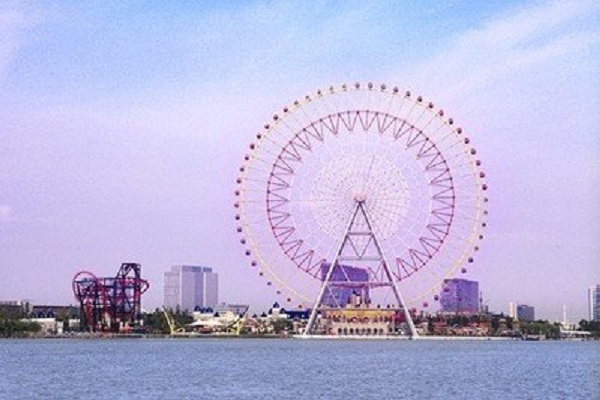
(13, 326)
(155, 322)
(591, 326)
(281, 325)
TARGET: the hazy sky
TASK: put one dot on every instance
(122, 125)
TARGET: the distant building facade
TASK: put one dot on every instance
(15, 308)
(189, 287)
(237, 309)
(594, 303)
(339, 294)
(512, 310)
(460, 296)
(54, 311)
(525, 313)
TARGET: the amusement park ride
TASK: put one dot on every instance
(111, 304)
(360, 190)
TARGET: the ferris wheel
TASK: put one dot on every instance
(364, 187)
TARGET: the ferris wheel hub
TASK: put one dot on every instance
(360, 198)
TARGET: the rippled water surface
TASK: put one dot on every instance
(291, 369)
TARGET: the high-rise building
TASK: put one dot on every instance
(339, 294)
(594, 303)
(460, 296)
(189, 287)
(525, 313)
(512, 310)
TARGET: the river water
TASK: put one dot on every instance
(297, 369)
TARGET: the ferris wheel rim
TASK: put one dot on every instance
(253, 245)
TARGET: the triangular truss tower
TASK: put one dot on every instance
(359, 243)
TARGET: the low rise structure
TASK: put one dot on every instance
(54, 311)
(237, 309)
(15, 308)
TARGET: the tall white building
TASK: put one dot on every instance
(512, 310)
(188, 287)
(594, 303)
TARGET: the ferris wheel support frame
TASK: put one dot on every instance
(391, 282)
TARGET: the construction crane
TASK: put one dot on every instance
(236, 326)
(173, 329)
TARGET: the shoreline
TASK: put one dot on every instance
(287, 336)
(420, 338)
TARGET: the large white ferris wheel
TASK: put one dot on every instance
(364, 187)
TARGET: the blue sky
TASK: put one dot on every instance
(122, 125)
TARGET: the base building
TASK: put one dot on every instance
(357, 318)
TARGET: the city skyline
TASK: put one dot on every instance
(123, 125)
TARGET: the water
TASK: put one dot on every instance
(292, 369)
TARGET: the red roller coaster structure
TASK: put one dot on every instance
(110, 304)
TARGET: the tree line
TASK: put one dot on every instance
(13, 325)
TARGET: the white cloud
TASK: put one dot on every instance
(514, 43)
(6, 214)
(12, 25)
